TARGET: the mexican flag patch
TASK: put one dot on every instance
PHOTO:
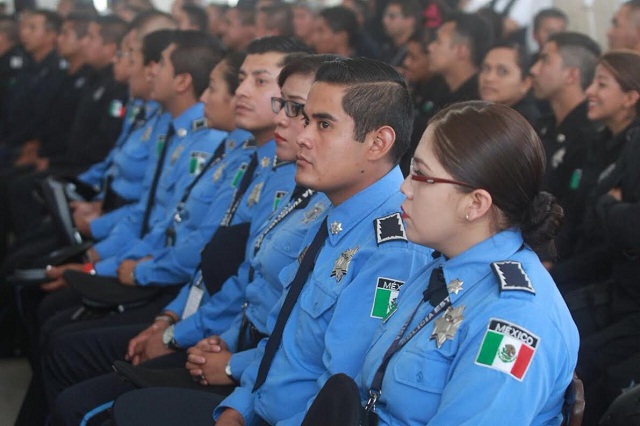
(508, 348)
(384, 302)
(116, 109)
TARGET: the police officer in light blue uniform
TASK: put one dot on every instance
(481, 336)
(192, 144)
(327, 328)
(152, 137)
(123, 169)
(245, 299)
(176, 263)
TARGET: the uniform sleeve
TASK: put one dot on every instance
(345, 350)
(241, 360)
(94, 175)
(103, 225)
(179, 302)
(124, 234)
(215, 316)
(475, 394)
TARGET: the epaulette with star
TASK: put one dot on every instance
(389, 228)
(512, 277)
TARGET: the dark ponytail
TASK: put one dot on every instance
(541, 223)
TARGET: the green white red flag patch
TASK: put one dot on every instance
(508, 348)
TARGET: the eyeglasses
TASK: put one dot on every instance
(291, 109)
(419, 177)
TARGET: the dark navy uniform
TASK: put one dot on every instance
(12, 63)
(30, 100)
(566, 146)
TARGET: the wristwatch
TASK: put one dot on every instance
(168, 339)
(227, 371)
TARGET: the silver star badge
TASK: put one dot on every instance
(265, 162)
(182, 132)
(447, 325)
(455, 286)
(254, 196)
(336, 228)
(341, 266)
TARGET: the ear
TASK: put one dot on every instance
(183, 83)
(462, 51)
(631, 98)
(382, 141)
(573, 75)
(527, 82)
(478, 205)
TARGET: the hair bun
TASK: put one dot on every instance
(542, 222)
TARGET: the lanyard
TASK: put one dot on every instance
(300, 202)
(170, 232)
(398, 343)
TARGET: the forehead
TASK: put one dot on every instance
(446, 29)
(269, 62)
(325, 98)
(550, 49)
(297, 85)
(502, 55)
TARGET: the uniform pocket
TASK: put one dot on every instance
(422, 372)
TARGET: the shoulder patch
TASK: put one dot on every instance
(507, 347)
(384, 301)
(512, 276)
(200, 123)
(389, 228)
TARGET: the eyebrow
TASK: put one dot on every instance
(262, 71)
(294, 97)
(323, 116)
(421, 162)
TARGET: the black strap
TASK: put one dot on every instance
(242, 188)
(170, 232)
(154, 183)
(433, 294)
(306, 266)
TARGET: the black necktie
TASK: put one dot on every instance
(436, 291)
(242, 188)
(154, 183)
(306, 266)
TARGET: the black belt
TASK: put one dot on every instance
(262, 422)
(249, 335)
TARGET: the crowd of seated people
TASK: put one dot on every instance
(256, 191)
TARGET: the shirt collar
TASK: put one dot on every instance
(473, 265)
(352, 211)
(183, 124)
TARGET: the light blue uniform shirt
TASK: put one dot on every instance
(281, 245)
(151, 140)
(481, 376)
(193, 141)
(333, 320)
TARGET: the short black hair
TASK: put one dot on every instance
(280, 17)
(408, 8)
(154, 43)
(197, 16)
(52, 21)
(303, 64)
(367, 82)
(234, 61)
(340, 18)
(246, 14)
(80, 23)
(552, 12)
(151, 20)
(112, 28)
(524, 60)
(196, 53)
(475, 31)
(580, 51)
(279, 44)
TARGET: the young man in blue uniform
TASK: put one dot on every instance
(349, 151)
(272, 181)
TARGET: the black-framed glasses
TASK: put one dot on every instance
(419, 177)
(291, 108)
